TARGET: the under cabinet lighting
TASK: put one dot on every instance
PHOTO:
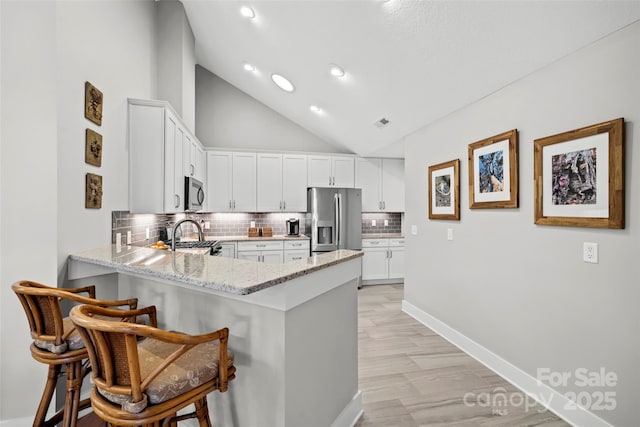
(282, 82)
(316, 109)
(249, 67)
(247, 12)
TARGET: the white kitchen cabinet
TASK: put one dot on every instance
(295, 250)
(269, 251)
(382, 183)
(383, 260)
(156, 143)
(331, 171)
(228, 249)
(193, 158)
(281, 182)
(231, 182)
(294, 183)
(375, 263)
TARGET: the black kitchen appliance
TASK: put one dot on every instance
(293, 227)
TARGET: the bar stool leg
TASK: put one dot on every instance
(47, 394)
(72, 400)
(202, 412)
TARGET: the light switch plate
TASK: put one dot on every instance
(449, 233)
(373, 222)
(414, 230)
(207, 225)
(128, 237)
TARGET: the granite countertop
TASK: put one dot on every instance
(247, 238)
(236, 276)
(383, 236)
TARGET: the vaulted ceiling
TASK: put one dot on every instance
(410, 62)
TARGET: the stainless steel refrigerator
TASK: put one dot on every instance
(334, 218)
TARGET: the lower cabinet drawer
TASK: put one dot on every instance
(296, 255)
(263, 245)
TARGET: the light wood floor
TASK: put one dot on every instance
(410, 376)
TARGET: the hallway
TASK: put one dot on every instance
(410, 376)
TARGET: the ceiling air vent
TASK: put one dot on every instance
(382, 123)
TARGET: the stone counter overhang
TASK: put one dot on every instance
(230, 275)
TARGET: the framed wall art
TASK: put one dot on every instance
(444, 190)
(93, 103)
(93, 191)
(93, 148)
(579, 177)
(493, 172)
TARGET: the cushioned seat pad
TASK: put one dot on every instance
(192, 369)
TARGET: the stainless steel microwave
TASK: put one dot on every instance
(193, 194)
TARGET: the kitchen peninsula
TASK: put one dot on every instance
(293, 326)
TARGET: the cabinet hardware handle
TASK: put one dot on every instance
(329, 180)
(229, 204)
(260, 246)
(284, 204)
(177, 201)
(297, 257)
(390, 253)
(384, 205)
(375, 243)
(234, 204)
(193, 170)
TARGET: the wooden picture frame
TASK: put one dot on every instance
(93, 100)
(493, 172)
(444, 190)
(93, 148)
(93, 191)
(579, 177)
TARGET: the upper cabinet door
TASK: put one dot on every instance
(343, 172)
(319, 173)
(393, 185)
(219, 195)
(331, 171)
(269, 182)
(368, 178)
(294, 182)
(174, 179)
(244, 182)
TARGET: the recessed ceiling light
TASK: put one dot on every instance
(282, 82)
(316, 109)
(249, 67)
(247, 12)
(336, 70)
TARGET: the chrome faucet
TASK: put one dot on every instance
(178, 224)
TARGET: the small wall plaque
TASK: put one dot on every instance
(92, 103)
(93, 191)
(93, 148)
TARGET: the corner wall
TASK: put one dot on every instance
(521, 290)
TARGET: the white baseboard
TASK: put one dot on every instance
(351, 413)
(545, 395)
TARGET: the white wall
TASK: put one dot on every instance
(28, 232)
(176, 60)
(229, 118)
(522, 290)
(49, 50)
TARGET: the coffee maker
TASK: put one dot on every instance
(293, 227)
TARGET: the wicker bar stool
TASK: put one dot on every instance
(143, 375)
(57, 343)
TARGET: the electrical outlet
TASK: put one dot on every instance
(414, 230)
(590, 252)
(386, 222)
(252, 224)
(373, 222)
(146, 233)
(118, 239)
(128, 237)
(207, 225)
(449, 233)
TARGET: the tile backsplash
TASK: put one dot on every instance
(230, 224)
